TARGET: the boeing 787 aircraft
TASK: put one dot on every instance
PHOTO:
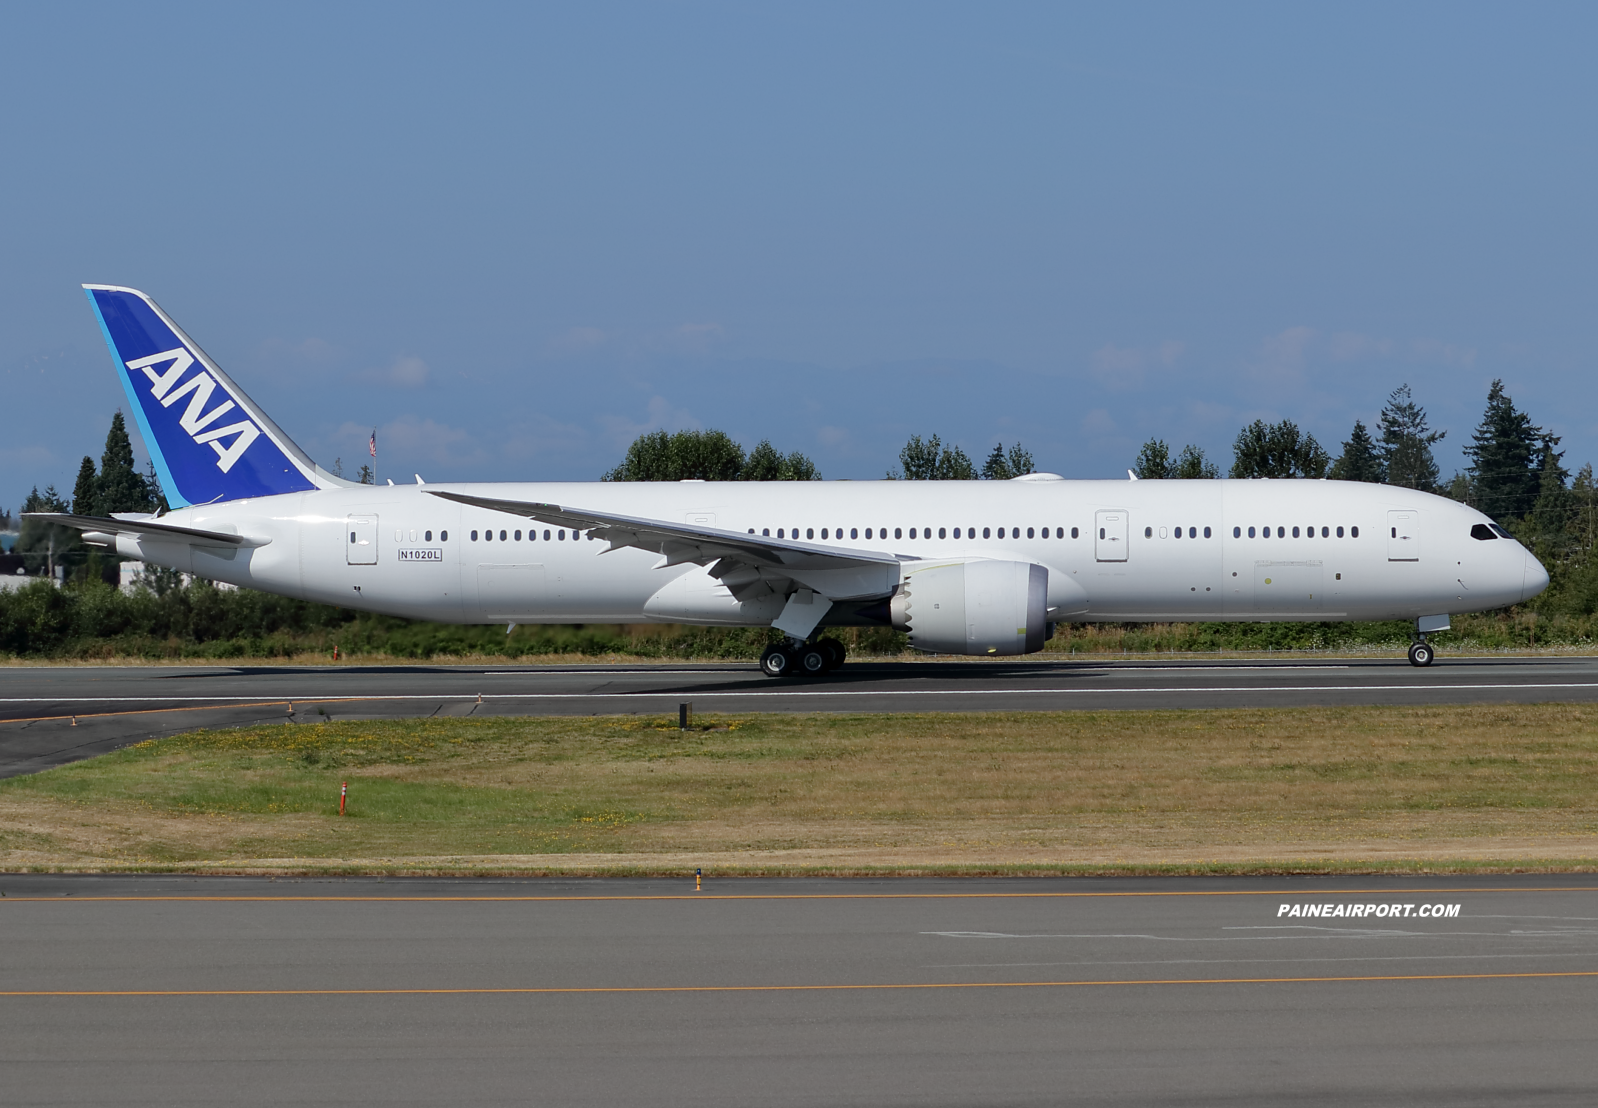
(964, 567)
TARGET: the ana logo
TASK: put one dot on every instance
(195, 419)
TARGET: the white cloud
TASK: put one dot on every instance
(621, 431)
(1433, 350)
(1099, 422)
(1119, 367)
(578, 340)
(401, 373)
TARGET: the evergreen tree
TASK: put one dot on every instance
(1153, 461)
(1001, 466)
(86, 490)
(929, 460)
(1503, 453)
(1277, 450)
(41, 542)
(121, 488)
(1361, 459)
(1407, 443)
(366, 475)
(1549, 521)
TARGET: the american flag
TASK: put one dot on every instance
(372, 446)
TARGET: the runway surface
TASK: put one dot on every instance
(804, 992)
(49, 716)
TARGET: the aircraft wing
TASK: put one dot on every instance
(148, 528)
(749, 565)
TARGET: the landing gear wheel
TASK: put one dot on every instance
(812, 661)
(1421, 654)
(776, 661)
(835, 652)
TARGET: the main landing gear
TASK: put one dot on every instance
(798, 659)
(1421, 653)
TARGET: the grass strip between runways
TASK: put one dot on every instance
(1311, 789)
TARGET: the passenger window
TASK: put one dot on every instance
(443, 536)
(942, 533)
(912, 532)
(1192, 532)
(868, 532)
(352, 536)
(1237, 532)
(518, 536)
(780, 535)
(765, 532)
(854, 533)
(810, 532)
(1029, 532)
(1251, 532)
(1339, 532)
(898, 533)
(1295, 532)
(1178, 532)
(986, 534)
(957, 532)
(1206, 532)
(560, 535)
(1483, 532)
(427, 536)
(1353, 532)
(1325, 533)
(1148, 532)
(502, 536)
(1281, 532)
(823, 532)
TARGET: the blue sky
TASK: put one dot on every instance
(513, 237)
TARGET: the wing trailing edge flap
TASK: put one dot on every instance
(110, 526)
(750, 566)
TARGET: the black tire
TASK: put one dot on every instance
(1421, 654)
(776, 661)
(811, 662)
(835, 652)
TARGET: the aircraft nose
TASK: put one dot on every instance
(1536, 578)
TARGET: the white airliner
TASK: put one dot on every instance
(965, 567)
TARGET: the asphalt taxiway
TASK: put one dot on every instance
(52, 715)
(134, 990)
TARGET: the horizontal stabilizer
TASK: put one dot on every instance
(148, 528)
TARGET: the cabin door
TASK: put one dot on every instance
(1403, 536)
(1109, 540)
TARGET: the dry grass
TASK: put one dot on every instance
(1113, 791)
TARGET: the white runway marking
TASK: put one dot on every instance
(314, 698)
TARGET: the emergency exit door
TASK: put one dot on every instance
(360, 548)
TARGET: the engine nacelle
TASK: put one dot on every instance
(979, 606)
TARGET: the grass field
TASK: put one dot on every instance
(1194, 791)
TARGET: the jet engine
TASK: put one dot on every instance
(975, 606)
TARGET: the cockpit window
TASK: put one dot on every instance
(1483, 532)
(1502, 533)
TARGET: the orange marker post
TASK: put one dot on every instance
(343, 794)
(698, 875)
